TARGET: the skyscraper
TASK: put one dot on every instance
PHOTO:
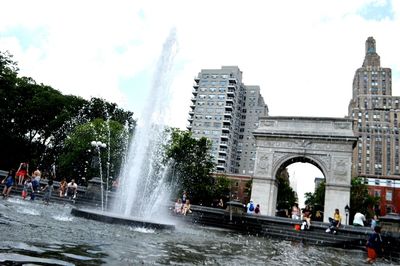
(376, 114)
(226, 111)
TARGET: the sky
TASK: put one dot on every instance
(303, 54)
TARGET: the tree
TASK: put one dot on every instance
(316, 198)
(360, 200)
(222, 188)
(35, 119)
(286, 195)
(80, 160)
(193, 165)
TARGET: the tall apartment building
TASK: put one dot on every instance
(376, 114)
(226, 111)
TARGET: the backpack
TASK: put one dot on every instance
(251, 207)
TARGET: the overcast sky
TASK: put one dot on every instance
(303, 54)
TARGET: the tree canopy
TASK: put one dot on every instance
(36, 119)
(192, 165)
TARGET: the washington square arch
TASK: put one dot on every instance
(326, 143)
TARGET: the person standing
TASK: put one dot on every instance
(374, 245)
(374, 222)
(48, 189)
(27, 187)
(257, 209)
(22, 171)
(359, 219)
(184, 196)
(8, 183)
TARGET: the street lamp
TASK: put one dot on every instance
(347, 210)
(97, 145)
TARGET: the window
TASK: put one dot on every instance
(389, 195)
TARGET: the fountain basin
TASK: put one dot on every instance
(113, 218)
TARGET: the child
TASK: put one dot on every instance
(186, 207)
(178, 206)
(9, 183)
(48, 189)
(27, 187)
(63, 188)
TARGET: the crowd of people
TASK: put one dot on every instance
(31, 186)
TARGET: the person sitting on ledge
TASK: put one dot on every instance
(186, 207)
(72, 188)
(63, 187)
(295, 212)
(178, 206)
(334, 222)
(359, 219)
(306, 224)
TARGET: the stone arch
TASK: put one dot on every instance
(327, 143)
(287, 160)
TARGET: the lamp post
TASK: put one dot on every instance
(97, 145)
(347, 210)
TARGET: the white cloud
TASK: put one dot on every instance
(302, 54)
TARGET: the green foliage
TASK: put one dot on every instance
(286, 195)
(193, 165)
(360, 200)
(79, 159)
(222, 187)
(35, 119)
(316, 198)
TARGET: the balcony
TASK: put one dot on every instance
(225, 136)
(230, 92)
(223, 144)
(194, 93)
(193, 99)
(230, 99)
(226, 128)
(227, 121)
(197, 79)
(228, 114)
(221, 159)
(232, 80)
(220, 167)
(228, 106)
(190, 119)
(223, 151)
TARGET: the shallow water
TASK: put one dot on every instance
(33, 233)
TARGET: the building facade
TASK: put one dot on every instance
(226, 111)
(376, 124)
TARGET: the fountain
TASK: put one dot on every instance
(142, 193)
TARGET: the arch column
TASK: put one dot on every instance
(336, 197)
(265, 192)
